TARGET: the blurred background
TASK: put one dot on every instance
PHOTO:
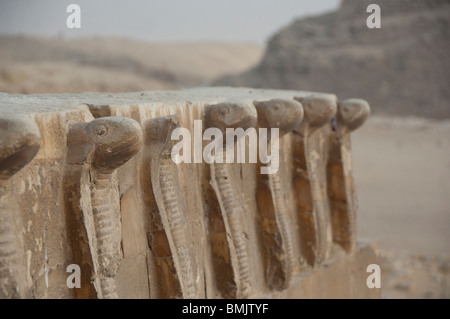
(401, 156)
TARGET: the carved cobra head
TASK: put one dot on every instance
(116, 140)
(158, 132)
(278, 113)
(319, 109)
(19, 142)
(230, 115)
(353, 113)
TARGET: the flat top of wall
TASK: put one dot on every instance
(18, 104)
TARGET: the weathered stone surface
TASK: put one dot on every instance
(20, 141)
(274, 217)
(172, 237)
(341, 186)
(228, 238)
(310, 157)
(103, 192)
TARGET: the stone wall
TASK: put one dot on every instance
(89, 180)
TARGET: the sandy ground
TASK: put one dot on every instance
(402, 173)
(44, 65)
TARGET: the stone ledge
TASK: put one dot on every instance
(88, 180)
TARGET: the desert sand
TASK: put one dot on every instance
(50, 65)
(402, 173)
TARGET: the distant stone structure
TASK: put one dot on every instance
(89, 180)
(402, 68)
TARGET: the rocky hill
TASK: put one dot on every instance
(402, 68)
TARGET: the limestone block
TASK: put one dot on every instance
(91, 180)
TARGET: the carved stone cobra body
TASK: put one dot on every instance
(227, 235)
(284, 115)
(106, 144)
(171, 210)
(310, 178)
(351, 115)
(19, 142)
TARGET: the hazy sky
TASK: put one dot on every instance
(160, 20)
